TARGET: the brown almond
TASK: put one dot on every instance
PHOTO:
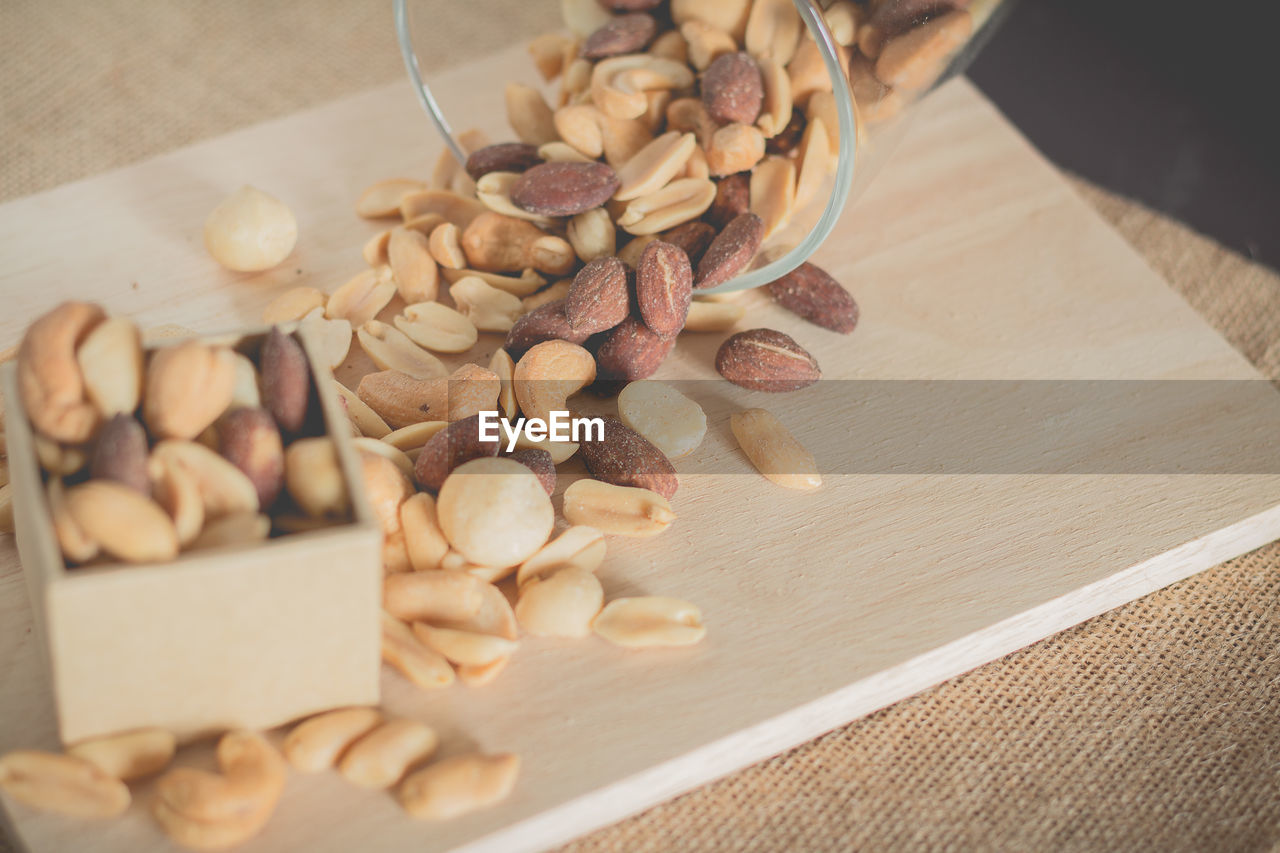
(766, 360)
(120, 453)
(545, 323)
(401, 400)
(503, 157)
(623, 34)
(455, 444)
(693, 238)
(664, 287)
(249, 439)
(286, 380)
(631, 351)
(733, 89)
(731, 251)
(564, 189)
(540, 463)
(626, 458)
(733, 198)
(598, 299)
(814, 295)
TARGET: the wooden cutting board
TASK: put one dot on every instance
(971, 259)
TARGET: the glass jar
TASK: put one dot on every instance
(840, 79)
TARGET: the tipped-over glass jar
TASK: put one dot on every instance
(791, 104)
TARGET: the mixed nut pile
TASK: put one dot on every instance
(684, 135)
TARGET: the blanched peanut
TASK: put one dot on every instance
(401, 649)
(437, 327)
(381, 758)
(678, 202)
(592, 234)
(459, 785)
(388, 451)
(464, 647)
(62, 783)
(617, 510)
(650, 620)
(504, 368)
(360, 299)
(488, 308)
(315, 743)
(529, 115)
(223, 488)
(383, 198)
(332, 337)
(706, 43)
(774, 451)
(111, 361)
(561, 604)
(250, 231)
(364, 418)
(422, 534)
(124, 523)
(618, 84)
(773, 30)
(130, 755)
(773, 193)
(391, 349)
(415, 272)
(433, 596)
(655, 165)
(578, 547)
(445, 246)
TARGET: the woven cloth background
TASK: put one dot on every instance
(1151, 727)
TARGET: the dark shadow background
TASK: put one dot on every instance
(1176, 105)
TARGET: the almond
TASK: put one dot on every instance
(692, 238)
(503, 157)
(455, 444)
(120, 453)
(564, 189)
(733, 198)
(664, 287)
(250, 440)
(626, 458)
(540, 463)
(623, 34)
(632, 351)
(814, 295)
(733, 89)
(547, 322)
(731, 251)
(286, 380)
(598, 298)
(766, 360)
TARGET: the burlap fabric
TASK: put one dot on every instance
(1151, 727)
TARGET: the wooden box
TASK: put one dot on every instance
(234, 637)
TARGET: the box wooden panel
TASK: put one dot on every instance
(248, 636)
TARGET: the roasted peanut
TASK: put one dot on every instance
(678, 202)
(125, 524)
(130, 755)
(383, 198)
(459, 785)
(774, 451)
(592, 235)
(380, 758)
(62, 783)
(315, 743)
(111, 361)
(414, 270)
(437, 327)
(561, 604)
(578, 547)
(365, 419)
(314, 478)
(529, 115)
(488, 308)
(617, 510)
(392, 349)
(360, 299)
(650, 620)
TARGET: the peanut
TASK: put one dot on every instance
(391, 349)
(529, 115)
(528, 282)
(315, 743)
(773, 192)
(617, 510)
(332, 336)
(380, 758)
(63, 784)
(223, 488)
(502, 366)
(648, 621)
(561, 604)
(592, 235)
(416, 275)
(655, 165)
(445, 246)
(437, 327)
(494, 191)
(111, 361)
(128, 756)
(678, 202)
(433, 596)
(424, 667)
(361, 298)
(577, 547)
(125, 524)
(246, 528)
(424, 539)
(488, 308)
(459, 785)
(365, 419)
(469, 648)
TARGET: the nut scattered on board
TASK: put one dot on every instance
(698, 170)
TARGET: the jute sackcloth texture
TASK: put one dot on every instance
(1152, 727)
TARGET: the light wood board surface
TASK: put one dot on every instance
(970, 258)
